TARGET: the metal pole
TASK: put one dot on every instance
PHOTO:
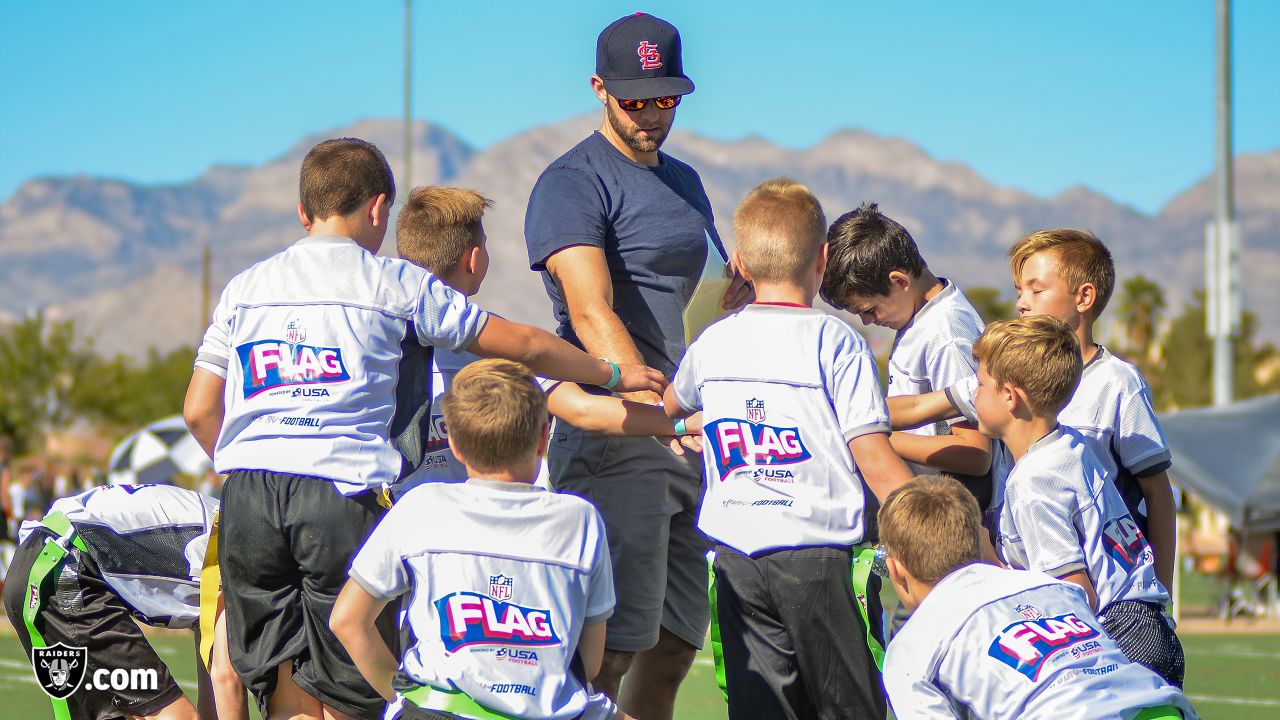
(1225, 256)
(407, 185)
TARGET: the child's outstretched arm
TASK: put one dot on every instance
(549, 356)
(912, 411)
(880, 466)
(615, 416)
(352, 621)
(965, 451)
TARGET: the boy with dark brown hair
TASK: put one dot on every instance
(304, 393)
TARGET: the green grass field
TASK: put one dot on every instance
(1229, 676)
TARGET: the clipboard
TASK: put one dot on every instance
(704, 306)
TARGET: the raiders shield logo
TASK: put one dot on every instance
(60, 669)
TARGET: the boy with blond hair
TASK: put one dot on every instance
(1061, 514)
(986, 642)
(1069, 274)
(300, 393)
(441, 229)
(876, 272)
(794, 424)
(509, 586)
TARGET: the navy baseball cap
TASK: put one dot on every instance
(638, 57)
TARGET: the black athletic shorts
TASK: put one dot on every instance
(1146, 637)
(82, 611)
(285, 545)
(794, 643)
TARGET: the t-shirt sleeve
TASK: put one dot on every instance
(951, 363)
(853, 384)
(445, 318)
(962, 396)
(378, 567)
(1046, 524)
(1139, 441)
(565, 209)
(686, 381)
(215, 350)
(600, 599)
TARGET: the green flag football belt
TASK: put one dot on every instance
(863, 558)
(44, 575)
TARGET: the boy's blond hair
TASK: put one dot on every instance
(932, 525)
(779, 229)
(495, 413)
(1037, 354)
(1081, 256)
(438, 225)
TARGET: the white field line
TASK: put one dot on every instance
(1234, 700)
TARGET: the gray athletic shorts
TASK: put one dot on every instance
(649, 499)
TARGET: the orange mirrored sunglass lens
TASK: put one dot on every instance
(663, 103)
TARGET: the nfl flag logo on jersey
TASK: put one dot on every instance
(499, 587)
(755, 410)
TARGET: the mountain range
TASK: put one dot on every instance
(124, 259)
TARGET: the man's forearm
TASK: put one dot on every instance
(603, 335)
(1162, 524)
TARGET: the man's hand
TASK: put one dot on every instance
(740, 291)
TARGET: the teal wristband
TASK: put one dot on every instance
(617, 375)
(680, 428)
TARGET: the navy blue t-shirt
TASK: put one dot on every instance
(655, 225)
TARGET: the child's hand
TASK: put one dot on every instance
(639, 378)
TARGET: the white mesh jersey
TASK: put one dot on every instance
(439, 464)
(935, 351)
(1061, 515)
(323, 350)
(992, 643)
(149, 542)
(1112, 408)
(783, 389)
(503, 578)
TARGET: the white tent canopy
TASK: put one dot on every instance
(1230, 457)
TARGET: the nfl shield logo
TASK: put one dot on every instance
(499, 587)
(755, 410)
(59, 668)
(1029, 612)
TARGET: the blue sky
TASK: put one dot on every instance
(1040, 96)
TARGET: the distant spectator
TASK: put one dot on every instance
(6, 501)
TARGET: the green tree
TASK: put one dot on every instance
(41, 362)
(1187, 360)
(1139, 307)
(127, 394)
(986, 300)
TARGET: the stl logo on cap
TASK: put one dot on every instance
(650, 58)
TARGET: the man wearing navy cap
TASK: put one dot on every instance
(623, 234)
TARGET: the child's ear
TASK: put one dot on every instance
(1086, 298)
(544, 441)
(376, 208)
(900, 280)
(302, 218)
(897, 575)
(742, 267)
(822, 259)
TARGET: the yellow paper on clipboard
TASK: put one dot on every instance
(704, 305)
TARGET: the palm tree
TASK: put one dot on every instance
(1139, 310)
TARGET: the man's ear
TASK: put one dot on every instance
(597, 86)
(1086, 298)
(302, 218)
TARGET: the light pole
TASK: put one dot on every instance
(1222, 237)
(408, 97)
